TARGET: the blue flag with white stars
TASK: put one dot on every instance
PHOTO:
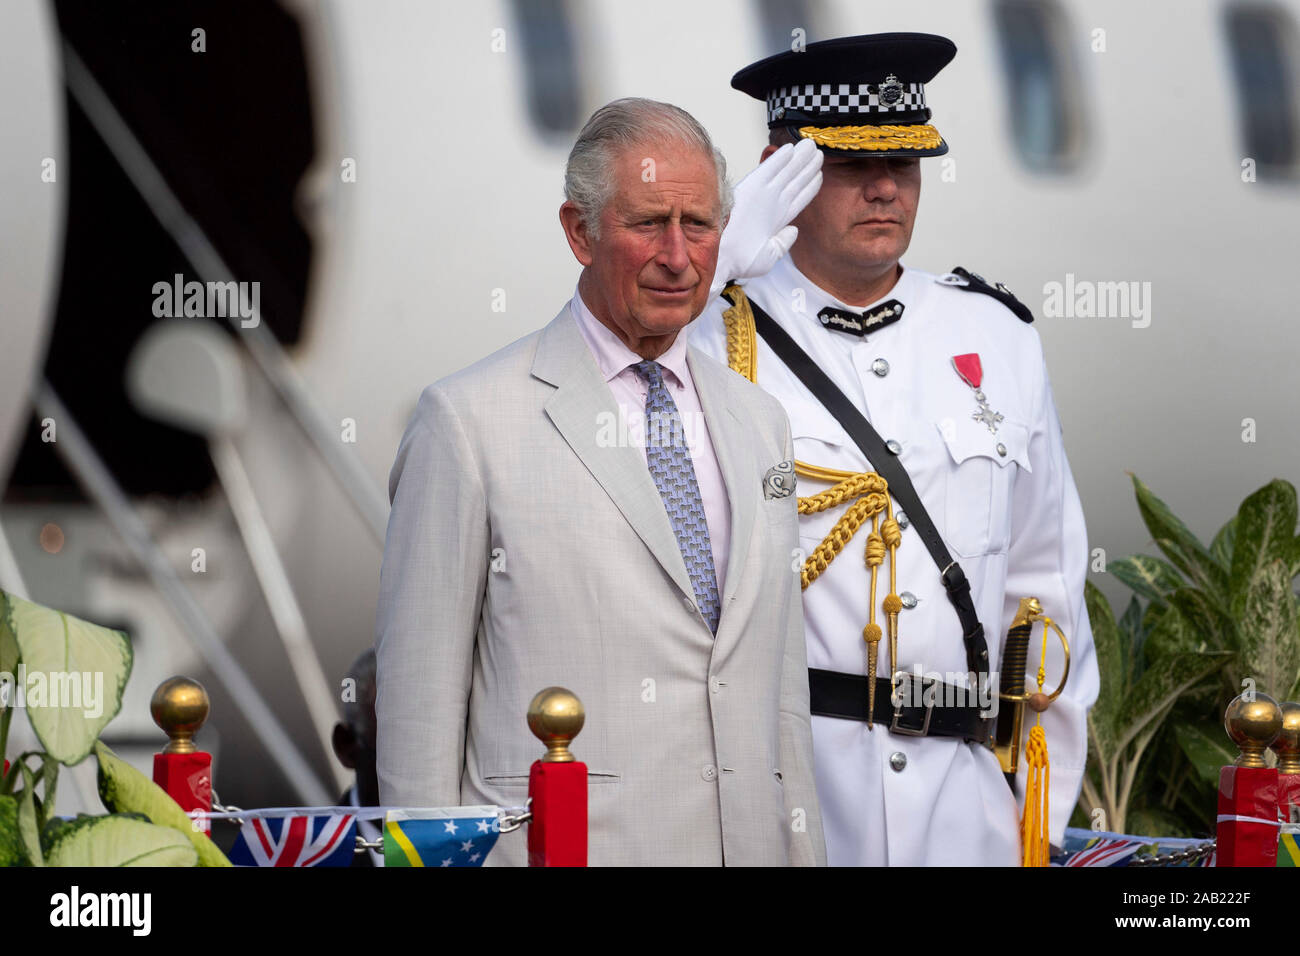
(445, 836)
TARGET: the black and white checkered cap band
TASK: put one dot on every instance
(842, 98)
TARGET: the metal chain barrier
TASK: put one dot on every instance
(1191, 854)
(509, 820)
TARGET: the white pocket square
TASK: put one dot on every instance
(779, 481)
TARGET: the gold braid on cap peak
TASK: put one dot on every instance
(873, 137)
(868, 492)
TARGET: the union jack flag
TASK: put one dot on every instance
(1099, 848)
(1103, 852)
(317, 840)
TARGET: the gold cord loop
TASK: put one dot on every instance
(866, 494)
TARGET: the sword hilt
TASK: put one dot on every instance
(1015, 660)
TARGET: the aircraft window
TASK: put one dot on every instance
(779, 18)
(1261, 41)
(551, 61)
(1046, 115)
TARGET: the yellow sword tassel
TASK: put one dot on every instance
(1036, 822)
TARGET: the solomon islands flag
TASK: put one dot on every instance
(446, 836)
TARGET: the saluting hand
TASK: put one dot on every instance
(759, 233)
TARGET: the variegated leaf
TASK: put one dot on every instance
(1172, 634)
(119, 840)
(1221, 546)
(1111, 665)
(1178, 543)
(1210, 621)
(8, 645)
(1152, 696)
(81, 669)
(1207, 748)
(1150, 577)
(1270, 636)
(1266, 530)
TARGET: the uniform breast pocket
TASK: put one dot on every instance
(982, 469)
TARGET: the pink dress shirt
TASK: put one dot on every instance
(615, 361)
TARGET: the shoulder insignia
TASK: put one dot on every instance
(974, 282)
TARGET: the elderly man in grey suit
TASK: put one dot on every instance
(603, 507)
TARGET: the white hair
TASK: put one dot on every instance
(632, 121)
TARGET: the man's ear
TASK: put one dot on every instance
(767, 151)
(576, 231)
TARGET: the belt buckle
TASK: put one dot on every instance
(894, 727)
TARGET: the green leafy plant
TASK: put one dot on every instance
(144, 826)
(1204, 624)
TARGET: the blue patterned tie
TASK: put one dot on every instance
(669, 460)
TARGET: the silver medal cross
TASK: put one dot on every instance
(986, 415)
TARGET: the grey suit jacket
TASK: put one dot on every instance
(523, 551)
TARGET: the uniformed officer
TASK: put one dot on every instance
(922, 581)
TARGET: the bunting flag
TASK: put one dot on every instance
(447, 836)
(1288, 850)
(306, 840)
(1091, 848)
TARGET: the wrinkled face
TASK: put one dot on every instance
(861, 219)
(651, 268)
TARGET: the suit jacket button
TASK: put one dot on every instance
(709, 772)
(898, 760)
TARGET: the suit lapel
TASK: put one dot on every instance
(582, 408)
(735, 460)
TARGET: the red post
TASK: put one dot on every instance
(187, 778)
(1248, 823)
(557, 834)
(179, 707)
(1248, 827)
(557, 784)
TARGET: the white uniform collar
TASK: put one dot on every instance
(785, 276)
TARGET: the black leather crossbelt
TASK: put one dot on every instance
(833, 694)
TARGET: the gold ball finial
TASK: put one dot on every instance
(1287, 744)
(555, 716)
(179, 706)
(1252, 725)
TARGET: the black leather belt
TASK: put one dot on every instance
(832, 694)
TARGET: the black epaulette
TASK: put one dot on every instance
(976, 283)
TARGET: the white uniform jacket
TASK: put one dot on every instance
(1013, 521)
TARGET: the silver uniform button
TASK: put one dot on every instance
(901, 517)
(1002, 449)
(880, 367)
(908, 599)
(898, 760)
(894, 447)
(709, 772)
